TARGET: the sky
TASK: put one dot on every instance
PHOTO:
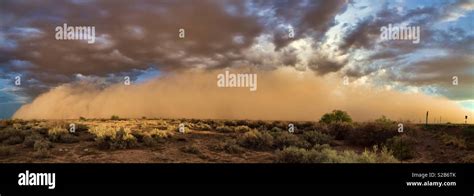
(333, 41)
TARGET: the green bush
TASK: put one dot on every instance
(256, 140)
(316, 137)
(403, 147)
(336, 116)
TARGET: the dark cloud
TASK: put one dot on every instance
(308, 18)
(129, 36)
(439, 72)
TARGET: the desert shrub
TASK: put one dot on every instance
(149, 141)
(468, 159)
(336, 116)
(383, 120)
(276, 129)
(403, 147)
(120, 140)
(81, 128)
(293, 155)
(279, 124)
(55, 132)
(17, 126)
(324, 154)
(31, 139)
(229, 146)
(61, 135)
(42, 145)
(241, 129)
(9, 132)
(82, 118)
(256, 140)
(13, 140)
(40, 130)
(468, 135)
(161, 134)
(451, 140)
(42, 153)
(316, 137)
(284, 139)
(114, 117)
(340, 130)
(259, 125)
(230, 123)
(68, 138)
(321, 127)
(201, 126)
(152, 138)
(373, 133)
(6, 150)
(304, 125)
(191, 149)
(224, 129)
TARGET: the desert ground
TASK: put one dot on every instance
(145, 140)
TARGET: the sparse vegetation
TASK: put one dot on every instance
(31, 139)
(285, 139)
(373, 133)
(6, 150)
(324, 154)
(228, 146)
(403, 147)
(316, 137)
(224, 129)
(191, 149)
(341, 130)
(156, 140)
(256, 140)
(61, 135)
(451, 140)
(119, 140)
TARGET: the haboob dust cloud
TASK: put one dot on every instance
(283, 94)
